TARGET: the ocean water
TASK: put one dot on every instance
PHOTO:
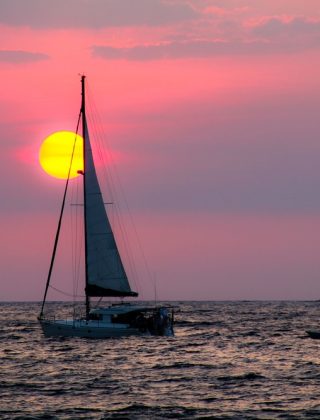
(228, 360)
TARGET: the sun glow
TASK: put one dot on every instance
(56, 151)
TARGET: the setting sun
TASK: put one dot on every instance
(55, 154)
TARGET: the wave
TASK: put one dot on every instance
(154, 412)
(250, 376)
(183, 365)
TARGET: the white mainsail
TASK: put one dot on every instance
(106, 275)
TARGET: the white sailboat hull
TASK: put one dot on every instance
(87, 329)
(113, 321)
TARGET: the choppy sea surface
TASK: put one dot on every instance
(228, 360)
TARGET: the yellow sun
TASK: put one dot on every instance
(56, 151)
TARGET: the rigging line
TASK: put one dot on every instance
(75, 242)
(79, 244)
(126, 247)
(73, 245)
(98, 302)
(79, 262)
(64, 293)
(59, 223)
(75, 284)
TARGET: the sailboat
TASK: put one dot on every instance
(105, 274)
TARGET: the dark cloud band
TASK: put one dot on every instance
(92, 14)
(16, 56)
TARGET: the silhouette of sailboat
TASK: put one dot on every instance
(105, 275)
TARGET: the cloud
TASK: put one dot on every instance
(192, 49)
(93, 13)
(160, 51)
(223, 12)
(16, 56)
(269, 35)
(288, 34)
(278, 26)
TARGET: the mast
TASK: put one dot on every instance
(84, 136)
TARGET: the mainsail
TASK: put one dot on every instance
(105, 272)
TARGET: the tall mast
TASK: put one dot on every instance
(84, 136)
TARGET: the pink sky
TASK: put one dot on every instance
(211, 108)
